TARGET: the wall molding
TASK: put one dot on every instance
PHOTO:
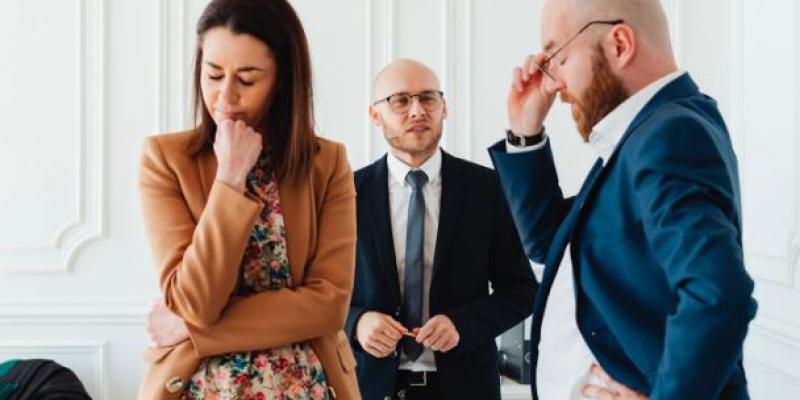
(770, 370)
(774, 331)
(380, 49)
(171, 106)
(89, 226)
(456, 61)
(795, 245)
(676, 32)
(779, 329)
(74, 312)
(779, 269)
(96, 351)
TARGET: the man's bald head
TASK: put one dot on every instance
(413, 130)
(404, 75)
(645, 17)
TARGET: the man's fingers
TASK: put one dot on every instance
(397, 325)
(392, 334)
(451, 345)
(394, 329)
(378, 337)
(598, 393)
(440, 342)
(426, 331)
(531, 63)
(390, 337)
(434, 337)
(376, 347)
(610, 382)
(597, 370)
(516, 79)
(372, 350)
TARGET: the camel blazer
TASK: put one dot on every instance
(198, 229)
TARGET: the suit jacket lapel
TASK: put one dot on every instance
(207, 169)
(453, 186)
(377, 196)
(560, 241)
(297, 208)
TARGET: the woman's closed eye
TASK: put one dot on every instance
(241, 80)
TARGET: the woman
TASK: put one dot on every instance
(252, 222)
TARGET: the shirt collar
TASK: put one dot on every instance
(432, 167)
(607, 133)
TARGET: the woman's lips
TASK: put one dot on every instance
(235, 116)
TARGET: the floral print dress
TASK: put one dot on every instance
(291, 372)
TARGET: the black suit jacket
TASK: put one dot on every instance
(477, 244)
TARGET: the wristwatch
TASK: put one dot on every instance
(524, 141)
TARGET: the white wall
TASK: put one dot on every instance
(83, 81)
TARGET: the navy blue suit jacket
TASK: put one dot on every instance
(663, 299)
(476, 245)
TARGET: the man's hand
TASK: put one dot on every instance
(615, 390)
(439, 334)
(528, 100)
(379, 333)
(165, 328)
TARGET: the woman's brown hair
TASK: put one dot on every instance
(288, 124)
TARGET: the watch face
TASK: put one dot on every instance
(524, 141)
(512, 138)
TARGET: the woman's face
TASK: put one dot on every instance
(237, 76)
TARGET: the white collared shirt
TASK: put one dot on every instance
(564, 357)
(399, 197)
(607, 133)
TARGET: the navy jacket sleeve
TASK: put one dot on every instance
(685, 178)
(530, 185)
(350, 324)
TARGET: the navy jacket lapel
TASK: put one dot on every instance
(381, 224)
(453, 185)
(553, 262)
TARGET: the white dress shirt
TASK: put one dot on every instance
(564, 357)
(399, 197)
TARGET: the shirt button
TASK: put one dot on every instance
(593, 333)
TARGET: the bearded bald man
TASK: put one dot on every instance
(657, 302)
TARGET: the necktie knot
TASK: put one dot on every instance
(416, 179)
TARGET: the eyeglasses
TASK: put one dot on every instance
(547, 66)
(400, 103)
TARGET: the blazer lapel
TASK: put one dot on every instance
(207, 168)
(297, 208)
(556, 253)
(377, 196)
(453, 186)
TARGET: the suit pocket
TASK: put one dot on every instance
(345, 354)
